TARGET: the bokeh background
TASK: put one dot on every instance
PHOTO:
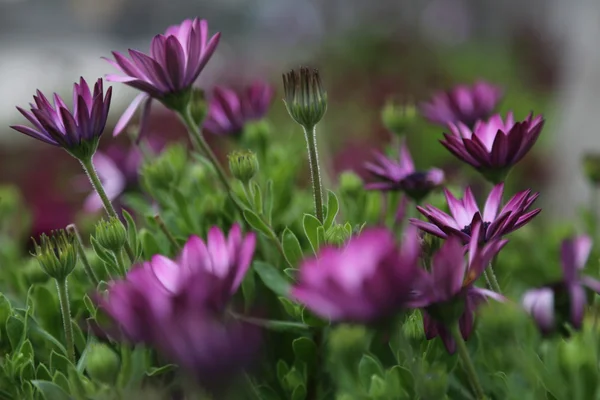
(544, 53)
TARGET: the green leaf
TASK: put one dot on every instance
(153, 371)
(139, 365)
(257, 193)
(61, 380)
(126, 366)
(51, 391)
(299, 393)
(367, 368)
(293, 379)
(290, 307)
(285, 326)
(269, 201)
(27, 371)
(266, 393)
(257, 223)
(282, 370)
(59, 363)
(377, 387)
(33, 327)
(5, 308)
(249, 289)
(305, 351)
(76, 383)
(320, 237)
(102, 253)
(182, 206)
(78, 337)
(149, 244)
(272, 278)
(311, 225)
(292, 273)
(27, 349)
(291, 247)
(312, 320)
(89, 305)
(42, 372)
(333, 207)
(132, 233)
(15, 329)
(399, 379)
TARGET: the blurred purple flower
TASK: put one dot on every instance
(368, 279)
(495, 146)
(463, 103)
(402, 175)
(447, 294)
(229, 111)
(77, 132)
(465, 213)
(563, 301)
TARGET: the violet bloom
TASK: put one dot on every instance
(465, 104)
(77, 132)
(368, 279)
(564, 301)
(447, 294)
(229, 111)
(402, 175)
(495, 146)
(464, 212)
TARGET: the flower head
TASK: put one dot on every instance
(464, 212)
(78, 132)
(402, 175)
(229, 111)
(493, 147)
(563, 301)
(368, 279)
(465, 104)
(305, 98)
(56, 254)
(243, 165)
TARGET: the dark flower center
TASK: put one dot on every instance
(467, 228)
(416, 181)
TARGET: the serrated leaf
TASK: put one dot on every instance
(154, 371)
(299, 393)
(257, 223)
(291, 247)
(311, 225)
(27, 371)
(42, 373)
(333, 207)
(305, 351)
(61, 380)
(132, 233)
(272, 278)
(50, 391)
(367, 368)
(27, 349)
(59, 363)
(257, 194)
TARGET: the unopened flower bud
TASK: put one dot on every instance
(166, 170)
(243, 165)
(591, 167)
(102, 363)
(56, 254)
(350, 182)
(305, 99)
(198, 106)
(398, 118)
(111, 234)
(338, 234)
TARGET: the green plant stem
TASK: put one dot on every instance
(163, 227)
(467, 363)
(312, 384)
(72, 229)
(65, 310)
(315, 172)
(88, 167)
(495, 286)
(121, 263)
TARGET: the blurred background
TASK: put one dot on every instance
(544, 53)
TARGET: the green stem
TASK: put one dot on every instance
(594, 212)
(492, 277)
(315, 172)
(167, 232)
(88, 167)
(468, 366)
(72, 229)
(121, 263)
(65, 310)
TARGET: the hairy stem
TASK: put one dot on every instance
(467, 363)
(72, 229)
(315, 172)
(65, 310)
(163, 227)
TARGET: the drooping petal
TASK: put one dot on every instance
(574, 254)
(540, 304)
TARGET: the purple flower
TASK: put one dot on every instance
(447, 294)
(229, 111)
(367, 280)
(402, 175)
(77, 132)
(495, 146)
(464, 212)
(465, 104)
(563, 301)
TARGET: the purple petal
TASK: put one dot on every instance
(128, 114)
(578, 300)
(492, 203)
(540, 304)
(574, 254)
(448, 269)
(428, 227)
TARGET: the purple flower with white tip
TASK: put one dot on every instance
(496, 221)
(402, 175)
(229, 111)
(79, 131)
(564, 301)
(368, 279)
(463, 103)
(493, 147)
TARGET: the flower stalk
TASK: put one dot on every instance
(467, 363)
(72, 229)
(65, 311)
(315, 172)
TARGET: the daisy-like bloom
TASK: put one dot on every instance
(493, 147)
(78, 132)
(463, 103)
(368, 279)
(402, 175)
(465, 212)
(447, 294)
(564, 301)
(229, 111)
(175, 61)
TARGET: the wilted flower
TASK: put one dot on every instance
(465, 104)
(402, 175)
(464, 212)
(368, 279)
(229, 111)
(77, 132)
(305, 98)
(495, 146)
(564, 301)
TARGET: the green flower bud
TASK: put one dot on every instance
(350, 182)
(398, 118)
(111, 234)
(102, 364)
(574, 355)
(591, 167)
(198, 106)
(257, 131)
(305, 99)
(338, 234)
(56, 254)
(166, 170)
(243, 165)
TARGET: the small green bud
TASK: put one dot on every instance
(166, 170)
(338, 235)
(350, 182)
(305, 99)
(591, 167)
(111, 234)
(102, 364)
(574, 354)
(257, 131)
(198, 106)
(398, 118)
(56, 254)
(243, 165)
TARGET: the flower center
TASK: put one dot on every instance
(416, 180)
(467, 228)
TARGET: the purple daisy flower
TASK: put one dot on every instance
(447, 294)
(465, 104)
(464, 212)
(563, 301)
(368, 279)
(229, 111)
(495, 146)
(77, 132)
(402, 175)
